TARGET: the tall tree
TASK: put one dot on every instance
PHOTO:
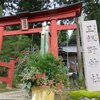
(29, 5)
(72, 40)
(1, 7)
(10, 7)
(92, 10)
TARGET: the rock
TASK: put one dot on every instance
(93, 99)
(84, 98)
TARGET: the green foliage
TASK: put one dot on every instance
(48, 64)
(72, 40)
(61, 37)
(1, 7)
(29, 5)
(12, 46)
(2, 2)
(36, 40)
(92, 9)
(36, 5)
(76, 95)
(0, 10)
(72, 1)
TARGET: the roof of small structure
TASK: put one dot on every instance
(70, 7)
(70, 49)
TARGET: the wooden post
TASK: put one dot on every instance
(54, 38)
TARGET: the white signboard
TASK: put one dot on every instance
(24, 23)
(91, 54)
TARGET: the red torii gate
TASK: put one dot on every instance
(53, 16)
(10, 67)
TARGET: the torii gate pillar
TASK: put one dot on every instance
(54, 37)
(1, 36)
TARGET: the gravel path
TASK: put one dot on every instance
(14, 95)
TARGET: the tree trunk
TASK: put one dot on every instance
(80, 66)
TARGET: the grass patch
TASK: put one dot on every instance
(76, 95)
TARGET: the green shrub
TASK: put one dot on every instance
(48, 64)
